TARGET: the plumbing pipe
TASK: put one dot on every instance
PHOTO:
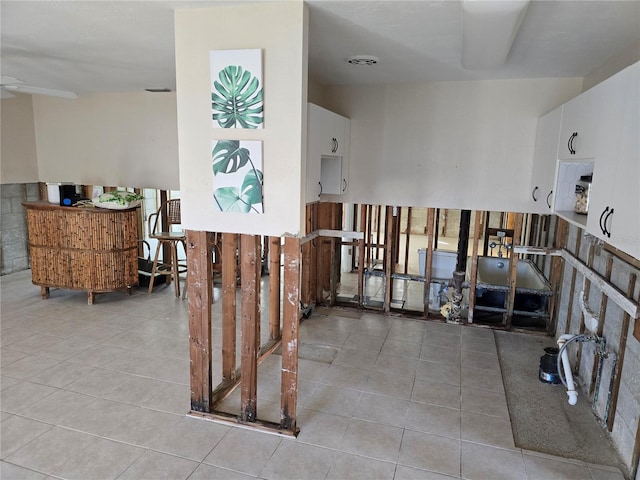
(564, 359)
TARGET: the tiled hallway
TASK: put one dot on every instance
(102, 392)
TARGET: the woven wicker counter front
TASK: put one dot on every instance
(91, 249)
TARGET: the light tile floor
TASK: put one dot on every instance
(102, 392)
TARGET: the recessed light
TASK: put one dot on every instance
(362, 60)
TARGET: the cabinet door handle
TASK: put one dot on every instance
(570, 143)
(607, 232)
(337, 145)
(548, 197)
(344, 184)
(320, 183)
(533, 194)
(602, 227)
(334, 145)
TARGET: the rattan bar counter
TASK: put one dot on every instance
(78, 248)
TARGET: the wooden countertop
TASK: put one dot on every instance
(44, 205)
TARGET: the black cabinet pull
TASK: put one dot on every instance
(602, 227)
(548, 197)
(344, 184)
(334, 145)
(320, 183)
(533, 194)
(607, 232)
(570, 143)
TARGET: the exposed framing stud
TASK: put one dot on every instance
(199, 260)
(274, 288)
(388, 257)
(431, 214)
(291, 316)
(250, 327)
(474, 265)
(622, 347)
(513, 269)
(229, 280)
(361, 254)
(603, 311)
(574, 274)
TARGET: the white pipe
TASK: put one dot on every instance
(566, 366)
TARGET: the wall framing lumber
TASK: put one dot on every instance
(250, 327)
(603, 311)
(474, 265)
(556, 273)
(199, 261)
(274, 287)
(229, 279)
(513, 269)
(388, 257)
(361, 254)
(431, 213)
(622, 347)
(290, 332)
(574, 274)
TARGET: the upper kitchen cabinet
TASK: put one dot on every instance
(545, 161)
(614, 205)
(327, 153)
(578, 130)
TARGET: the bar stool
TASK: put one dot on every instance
(170, 268)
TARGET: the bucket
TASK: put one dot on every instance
(548, 372)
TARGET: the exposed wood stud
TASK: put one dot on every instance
(229, 282)
(428, 262)
(556, 273)
(274, 288)
(513, 269)
(361, 254)
(574, 273)
(587, 289)
(291, 310)
(622, 348)
(474, 265)
(250, 327)
(600, 331)
(199, 262)
(388, 257)
(407, 241)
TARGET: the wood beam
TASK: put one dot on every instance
(229, 281)
(291, 319)
(556, 273)
(574, 273)
(250, 327)
(388, 257)
(513, 269)
(407, 241)
(199, 260)
(622, 348)
(428, 261)
(474, 265)
(361, 254)
(274, 288)
(603, 311)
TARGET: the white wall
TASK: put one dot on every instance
(455, 144)
(280, 30)
(18, 161)
(114, 139)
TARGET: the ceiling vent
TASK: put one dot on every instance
(362, 60)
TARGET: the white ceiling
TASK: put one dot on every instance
(93, 46)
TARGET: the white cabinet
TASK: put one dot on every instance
(327, 153)
(578, 131)
(614, 210)
(545, 161)
(609, 116)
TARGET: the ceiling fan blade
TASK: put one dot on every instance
(40, 91)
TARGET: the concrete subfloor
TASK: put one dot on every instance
(541, 417)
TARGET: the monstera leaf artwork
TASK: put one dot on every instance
(236, 88)
(237, 176)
